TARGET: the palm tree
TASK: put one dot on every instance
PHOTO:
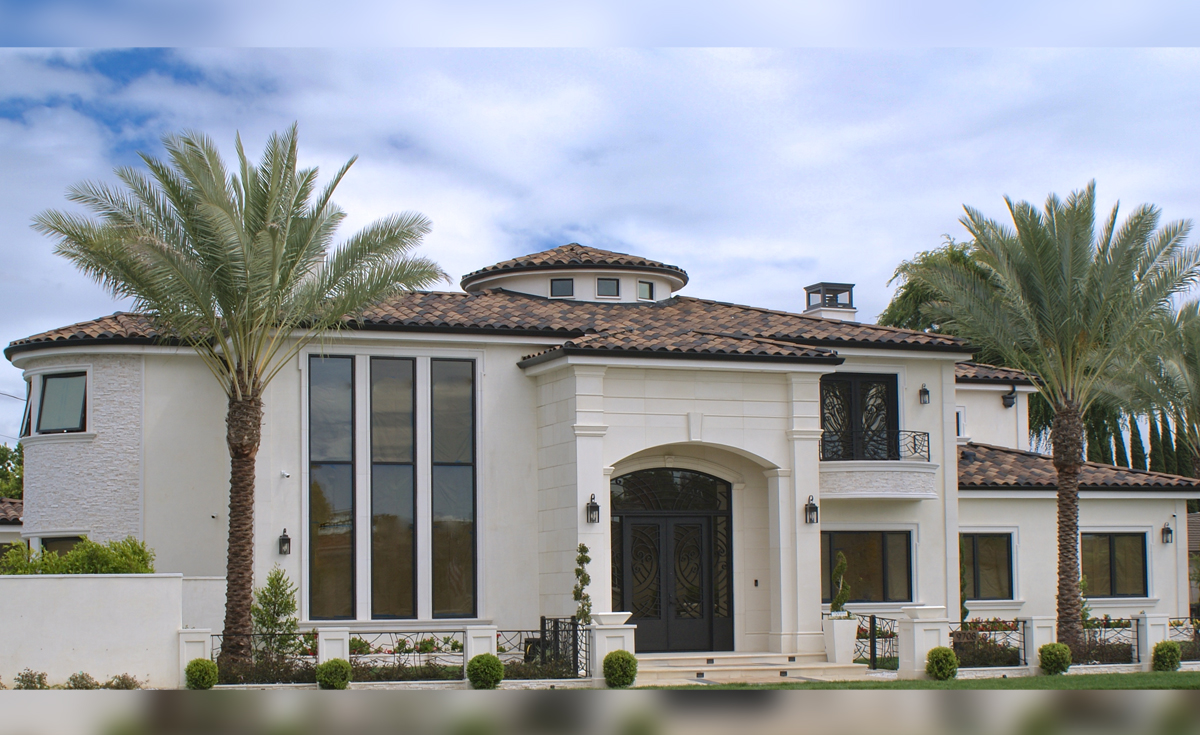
(1066, 304)
(241, 267)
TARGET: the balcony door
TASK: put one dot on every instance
(859, 417)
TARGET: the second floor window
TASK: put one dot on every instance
(63, 405)
(858, 416)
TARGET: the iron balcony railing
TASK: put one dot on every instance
(882, 444)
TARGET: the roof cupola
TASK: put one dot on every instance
(830, 301)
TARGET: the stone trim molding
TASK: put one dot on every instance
(881, 480)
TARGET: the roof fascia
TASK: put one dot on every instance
(858, 349)
(996, 386)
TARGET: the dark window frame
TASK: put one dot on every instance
(570, 290)
(27, 414)
(473, 464)
(75, 540)
(312, 546)
(1012, 592)
(1112, 563)
(413, 464)
(827, 565)
(608, 279)
(45, 378)
(649, 290)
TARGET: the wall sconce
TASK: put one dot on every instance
(593, 510)
(1168, 536)
(1009, 399)
(810, 511)
(285, 543)
(923, 394)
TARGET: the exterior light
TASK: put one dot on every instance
(593, 510)
(285, 543)
(1168, 536)
(810, 511)
(1009, 399)
(924, 395)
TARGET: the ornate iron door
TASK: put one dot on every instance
(668, 578)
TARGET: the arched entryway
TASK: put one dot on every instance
(672, 563)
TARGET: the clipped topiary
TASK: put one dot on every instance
(1165, 656)
(620, 669)
(81, 680)
(201, 674)
(1054, 658)
(941, 663)
(485, 671)
(334, 674)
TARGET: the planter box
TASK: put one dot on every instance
(840, 636)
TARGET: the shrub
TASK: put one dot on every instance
(840, 586)
(620, 669)
(88, 557)
(122, 681)
(485, 671)
(1165, 656)
(1054, 658)
(274, 615)
(30, 680)
(201, 674)
(81, 680)
(334, 674)
(941, 663)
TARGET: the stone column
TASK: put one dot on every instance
(1039, 630)
(193, 643)
(781, 542)
(592, 481)
(477, 639)
(606, 638)
(923, 627)
(333, 643)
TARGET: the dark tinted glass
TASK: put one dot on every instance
(453, 410)
(392, 541)
(562, 287)
(391, 410)
(331, 409)
(1095, 563)
(966, 558)
(331, 539)
(60, 545)
(63, 401)
(645, 290)
(25, 416)
(995, 571)
(1129, 568)
(878, 565)
(608, 287)
(668, 489)
(453, 541)
(898, 566)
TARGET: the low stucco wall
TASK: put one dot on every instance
(100, 624)
(204, 602)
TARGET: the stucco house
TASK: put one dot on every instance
(439, 462)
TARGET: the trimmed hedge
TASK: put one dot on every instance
(201, 674)
(620, 669)
(485, 671)
(334, 674)
(129, 556)
(941, 663)
(1054, 658)
(1165, 656)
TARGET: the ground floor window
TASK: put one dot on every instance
(878, 564)
(1114, 564)
(986, 560)
(60, 544)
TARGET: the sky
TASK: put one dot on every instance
(758, 170)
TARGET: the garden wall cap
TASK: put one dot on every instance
(925, 612)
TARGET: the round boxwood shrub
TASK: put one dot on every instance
(201, 674)
(941, 663)
(620, 669)
(1165, 656)
(485, 671)
(1054, 658)
(333, 674)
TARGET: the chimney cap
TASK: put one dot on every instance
(829, 295)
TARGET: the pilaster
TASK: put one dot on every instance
(591, 482)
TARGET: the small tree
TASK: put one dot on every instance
(841, 588)
(274, 614)
(12, 471)
(583, 613)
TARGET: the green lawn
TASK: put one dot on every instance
(1149, 680)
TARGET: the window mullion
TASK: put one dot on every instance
(424, 492)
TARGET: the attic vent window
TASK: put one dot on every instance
(646, 290)
(562, 287)
(608, 287)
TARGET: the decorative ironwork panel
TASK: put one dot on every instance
(875, 643)
(722, 589)
(689, 572)
(835, 417)
(666, 489)
(882, 445)
(644, 550)
(1185, 632)
(617, 546)
(1107, 641)
(988, 643)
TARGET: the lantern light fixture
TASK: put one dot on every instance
(593, 510)
(923, 394)
(1168, 535)
(810, 511)
(285, 543)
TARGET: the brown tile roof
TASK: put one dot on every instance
(575, 255)
(496, 311)
(10, 511)
(687, 344)
(974, 372)
(987, 466)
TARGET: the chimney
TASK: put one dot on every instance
(831, 301)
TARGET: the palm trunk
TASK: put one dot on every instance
(1066, 438)
(243, 436)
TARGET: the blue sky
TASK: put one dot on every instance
(757, 170)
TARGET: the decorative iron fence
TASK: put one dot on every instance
(558, 650)
(1107, 641)
(289, 658)
(1185, 632)
(875, 644)
(407, 655)
(883, 444)
(986, 643)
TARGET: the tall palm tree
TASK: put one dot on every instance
(1066, 304)
(242, 267)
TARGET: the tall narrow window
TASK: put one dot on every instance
(63, 404)
(393, 536)
(452, 404)
(331, 486)
(25, 428)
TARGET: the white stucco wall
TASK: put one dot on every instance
(988, 421)
(538, 283)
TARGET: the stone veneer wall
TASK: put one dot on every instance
(77, 483)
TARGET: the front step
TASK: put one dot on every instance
(748, 668)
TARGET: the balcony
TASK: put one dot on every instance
(875, 445)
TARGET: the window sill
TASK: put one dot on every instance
(75, 437)
(1102, 602)
(973, 605)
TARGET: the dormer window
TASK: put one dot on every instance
(608, 287)
(64, 399)
(646, 290)
(562, 288)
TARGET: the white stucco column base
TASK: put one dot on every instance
(1152, 630)
(1039, 630)
(478, 639)
(923, 627)
(194, 643)
(604, 640)
(333, 643)
(840, 638)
